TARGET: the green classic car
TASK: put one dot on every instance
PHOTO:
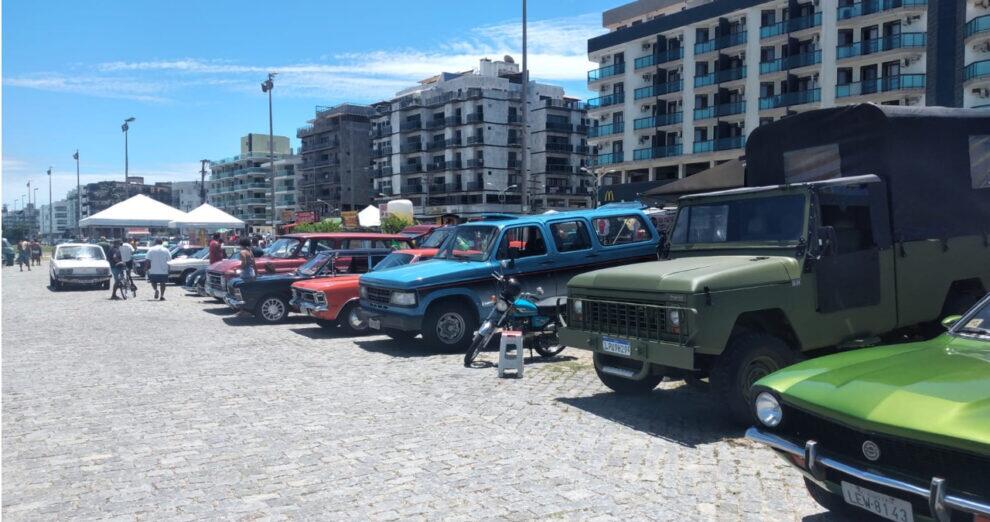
(900, 431)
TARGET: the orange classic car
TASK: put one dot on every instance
(334, 301)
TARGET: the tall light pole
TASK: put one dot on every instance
(51, 220)
(267, 86)
(78, 195)
(126, 127)
(525, 117)
(597, 178)
(202, 180)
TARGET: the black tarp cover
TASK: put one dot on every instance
(930, 157)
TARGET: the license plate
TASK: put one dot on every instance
(877, 503)
(375, 324)
(616, 346)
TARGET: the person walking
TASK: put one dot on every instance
(35, 252)
(127, 257)
(117, 268)
(23, 254)
(158, 257)
(248, 271)
(216, 248)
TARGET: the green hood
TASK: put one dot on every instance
(937, 390)
(693, 274)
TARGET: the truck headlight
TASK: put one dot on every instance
(675, 321)
(768, 410)
(363, 292)
(403, 299)
(578, 308)
(64, 271)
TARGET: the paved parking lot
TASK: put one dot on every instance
(179, 410)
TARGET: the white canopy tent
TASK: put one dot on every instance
(138, 211)
(207, 216)
(370, 217)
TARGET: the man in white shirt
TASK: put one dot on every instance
(158, 257)
(127, 256)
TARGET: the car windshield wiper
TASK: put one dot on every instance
(974, 330)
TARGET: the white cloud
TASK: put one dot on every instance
(557, 53)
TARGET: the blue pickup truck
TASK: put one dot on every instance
(444, 298)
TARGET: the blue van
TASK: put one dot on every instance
(444, 298)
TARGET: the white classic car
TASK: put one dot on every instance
(180, 267)
(79, 263)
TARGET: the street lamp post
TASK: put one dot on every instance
(267, 86)
(202, 180)
(78, 196)
(597, 178)
(124, 128)
(525, 117)
(51, 220)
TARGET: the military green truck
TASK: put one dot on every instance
(857, 225)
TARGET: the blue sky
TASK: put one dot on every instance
(189, 71)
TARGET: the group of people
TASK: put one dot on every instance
(246, 253)
(28, 253)
(120, 254)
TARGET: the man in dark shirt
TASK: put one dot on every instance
(117, 268)
(216, 248)
(105, 246)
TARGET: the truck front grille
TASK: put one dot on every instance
(215, 280)
(309, 296)
(626, 319)
(379, 295)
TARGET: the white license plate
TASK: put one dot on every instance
(877, 503)
(616, 346)
(375, 324)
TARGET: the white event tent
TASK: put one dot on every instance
(138, 211)
(207, 216)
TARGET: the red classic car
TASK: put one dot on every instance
(291, 251)
(334, 300)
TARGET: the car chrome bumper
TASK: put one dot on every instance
(215, 292)
(308, 306)
(233, 303)
(935, 492)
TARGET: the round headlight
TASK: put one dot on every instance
(501, 305)
(675, 318)
(578, 307)
(768, 410)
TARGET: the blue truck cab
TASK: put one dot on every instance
(444, 298)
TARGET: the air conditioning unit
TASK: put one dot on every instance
(646, 108)
(680, 134)
(815, 39)
(644, 139)
(647, 77)
(912, 19)
(982, 93)
(985, 4)
(646, 46)
(982, 47)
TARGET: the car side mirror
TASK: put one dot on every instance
(826, 240)
(950, 320)
(539, 291)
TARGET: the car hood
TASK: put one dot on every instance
(224, 265)
(188, 261)
(937, 390)
(286, 277)
(693, 274)
(435, 271)
(81, 263)
(324, 283)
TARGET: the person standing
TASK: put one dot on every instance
(158, 257)
(127, 257)
(117, 268)
(35, 252)
(216, 248)
(24, 254)
(248, 271)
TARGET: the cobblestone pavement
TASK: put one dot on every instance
(179, 410)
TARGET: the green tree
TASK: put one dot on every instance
(326, 225)
(393, 224)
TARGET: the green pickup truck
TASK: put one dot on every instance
(858, 224)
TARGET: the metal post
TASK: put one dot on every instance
(78, 196)
(202, 180)
(525, 118)
(51, 220)
(267, 86)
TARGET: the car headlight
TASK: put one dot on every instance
(674, 321)
(578, 307)
(364, 292)
(64, 271)
(768, 410)
(403, 299)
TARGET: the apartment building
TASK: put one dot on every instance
(241, 185)
(56, 221)
(682, 84)
(454, 144)
(335, 151)
(186, 195)
(102, 195)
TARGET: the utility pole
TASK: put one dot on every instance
(78, 196)
(202, 180)
(525, 118)
(51, 220)
(267, 86)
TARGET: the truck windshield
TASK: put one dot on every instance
(311, 267)
(470, 243)
(282, 248)
(751, 220)
(392, 260)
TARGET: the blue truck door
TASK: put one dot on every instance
(533, 259)
(575, 252)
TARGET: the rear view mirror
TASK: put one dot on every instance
(950, 320)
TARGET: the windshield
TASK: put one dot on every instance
(80, 253)
(436, 238)
(472, 243)
(201, 253)
(392, 260)
(282, 248)
(977, 322)
(314, 265)
(751, 220)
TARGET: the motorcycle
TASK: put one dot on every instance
(517, 310)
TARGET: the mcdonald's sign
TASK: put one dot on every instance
(626, 191)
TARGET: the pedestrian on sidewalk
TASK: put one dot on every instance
(158, 257)
(23, 255)
(117, 268)
(36, 252)
(127, 257)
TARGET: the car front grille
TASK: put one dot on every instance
(309, 296)
(628, 319)
(215, 280)
(962, 471)
(379, 295)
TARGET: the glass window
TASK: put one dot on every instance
(80, 252)
(528, 241)
(979, 161)
(621, 230)
(314, 265)
(394, 259)
(359, 243)
(774, 218)
(470, 242)
(570, 236)
(283, 248)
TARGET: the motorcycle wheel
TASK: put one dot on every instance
(550, 351)
(477, 344)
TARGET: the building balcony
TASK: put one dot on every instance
(249, 186)
(558, 126)
(669, 55)
(381, 132)
(791, 98)
(607, 100)
(381, 172)
(720, 42)
(253, 201)
(668, 151)
(558, 168)
(735, 142)
(476, 140)
(408, 126)
(410, 168)
(791, 26)
(474, 163)
(606, 72)
(565, 148)
(436, 145)
(879, 45)
(408, 147)
(887, 84)
(412, 189)
(723, 76)
(976, 70)
(433, 124)
(978, 25)
(452, 121)
(435, 166)
(606, 130)
(658, 90)
(380, 153)
(725, 109)
(869, 7)
(791, 62)
(453, 164)
(474, 117)
(607, 159)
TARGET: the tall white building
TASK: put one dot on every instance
(454, 144)
(682, 84)
(241, 185)
(186, 195)
(56, 219)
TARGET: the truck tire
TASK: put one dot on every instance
(449, 326)
(624, 386)
(351, 322)
(748, 358)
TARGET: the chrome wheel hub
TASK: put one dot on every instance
(450, 328)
